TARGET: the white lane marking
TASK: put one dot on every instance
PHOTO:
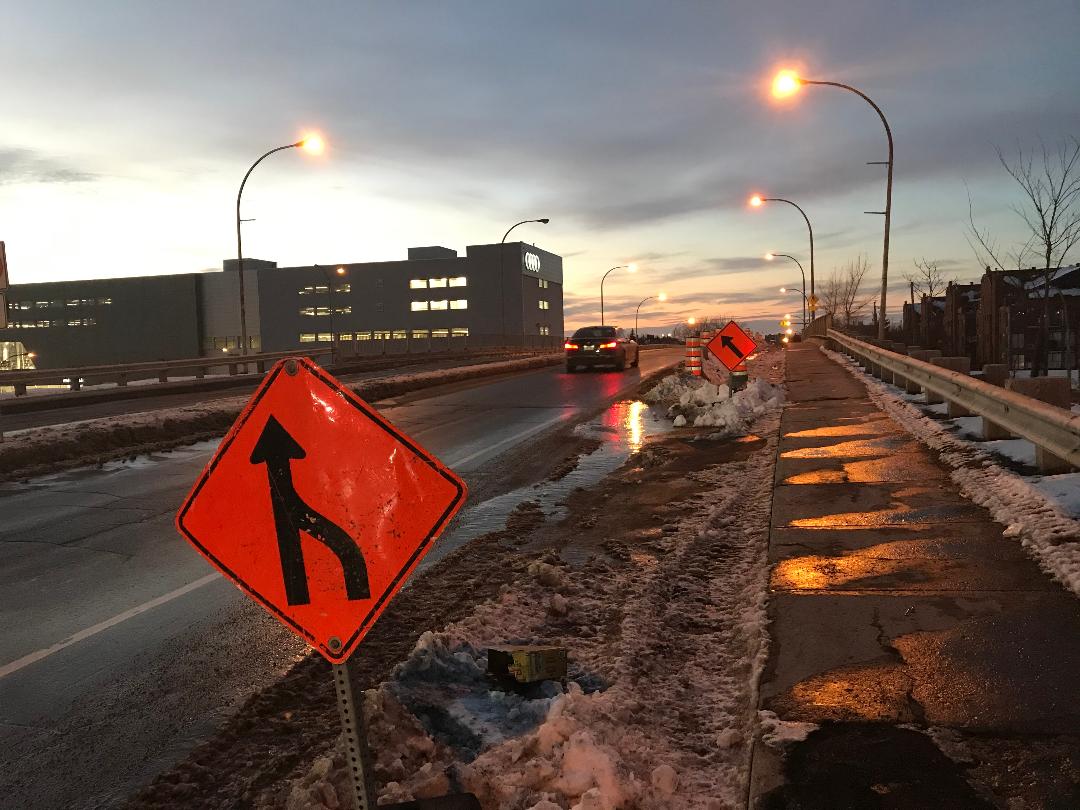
(517, 437)
(94, 629)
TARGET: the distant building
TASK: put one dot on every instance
(960, 321)
(509, 293)
(932, 321)
(1010, 315)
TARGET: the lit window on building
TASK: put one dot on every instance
(344, 288)
(437, 282)
(459, 332)
(419, 334)
(419, 306)
(440, 333)
(459, 303)
(418, 284)
(443, 304)
(363, 335)
(324, 337)
(545, 330)
(399, 334)
(381, 335)
(82, 322)
(307, 337)
(545, 305)
(459, 281)
(42, 304)
(343, 310)
(313, 289)
(543, 283)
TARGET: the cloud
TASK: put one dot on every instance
(28, 166)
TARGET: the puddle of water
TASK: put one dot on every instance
(621, 430)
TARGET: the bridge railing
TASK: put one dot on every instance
(162, 370)
(1054, 431)
(343, 352)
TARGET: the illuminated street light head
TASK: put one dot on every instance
(756, 201)
(770, 256)
(786, 83)
(691, 320)
(312, 144)
(631, 268)
(783, 289)
(340, 271)
(662, 296)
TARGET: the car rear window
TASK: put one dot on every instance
(594, 332)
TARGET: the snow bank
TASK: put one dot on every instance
(1049, 535)
(694, 401)
(666, 640)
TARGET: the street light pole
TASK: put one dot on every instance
(805, 302)
(888, 196)
(502, 296)
(757, 200)
(786, 83)
(637, 311)
(631, 267)
(311, 143)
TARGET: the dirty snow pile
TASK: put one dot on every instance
(665, 639)
(1049, 535)
(697, 402)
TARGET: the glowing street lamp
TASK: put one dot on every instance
(312, 144)
(659, 297)
(756, 202)
(771, 256)
(785, 84)
(629, 268)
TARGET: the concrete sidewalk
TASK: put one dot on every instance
(942, 665)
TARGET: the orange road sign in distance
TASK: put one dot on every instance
(318, 507)
(732, 345)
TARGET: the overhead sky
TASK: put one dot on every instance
(639, 128)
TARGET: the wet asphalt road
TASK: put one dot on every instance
(121, 648)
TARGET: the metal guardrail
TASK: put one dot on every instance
(1055, 430)
(122, 374)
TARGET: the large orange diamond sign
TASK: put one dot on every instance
(731, 345)
(318, 507)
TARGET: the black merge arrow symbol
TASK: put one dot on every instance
(729, 343)
(292, 515)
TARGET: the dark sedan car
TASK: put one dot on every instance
(600, 346)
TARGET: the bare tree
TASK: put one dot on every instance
(1049, 181)
(928, 278)
(842, 294)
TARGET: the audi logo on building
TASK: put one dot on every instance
(532, 262)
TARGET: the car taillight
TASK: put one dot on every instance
(611, 345)
(570, 346)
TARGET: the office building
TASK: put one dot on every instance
(509, 294)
